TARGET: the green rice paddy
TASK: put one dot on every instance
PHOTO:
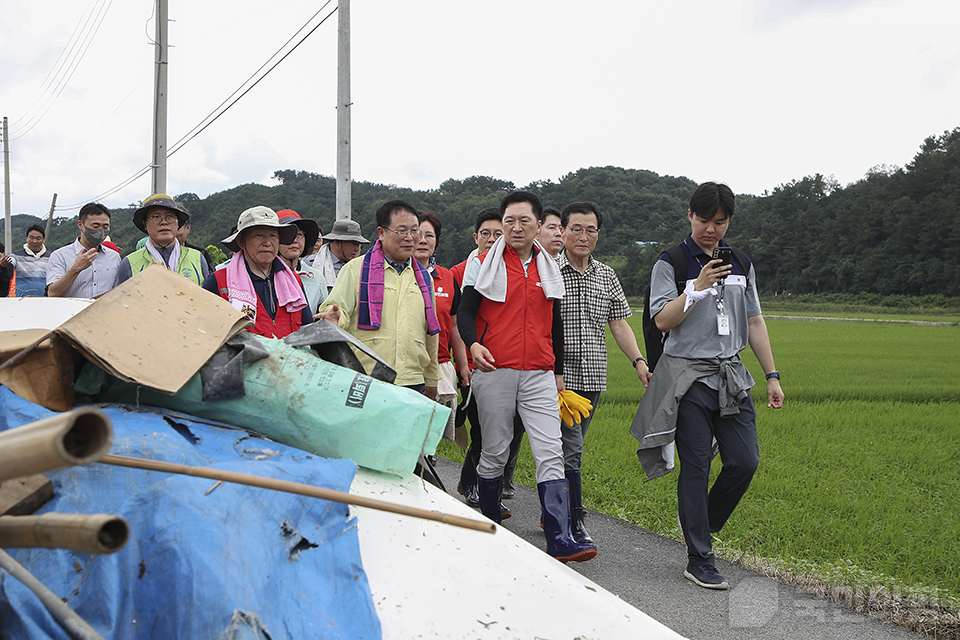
(859, 478)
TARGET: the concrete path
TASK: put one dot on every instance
(646, 570)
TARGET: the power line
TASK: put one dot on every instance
(212, 117)
(220, 109)
(61, 77)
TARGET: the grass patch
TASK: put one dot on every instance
(857, 490)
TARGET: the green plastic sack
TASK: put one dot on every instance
(296, 398)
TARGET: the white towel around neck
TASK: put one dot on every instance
(492, 279)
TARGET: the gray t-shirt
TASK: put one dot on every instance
(697, 336)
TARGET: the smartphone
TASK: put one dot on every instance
(725, 254)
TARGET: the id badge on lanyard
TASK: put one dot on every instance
(723, 320)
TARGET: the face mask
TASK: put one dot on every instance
(94, 236)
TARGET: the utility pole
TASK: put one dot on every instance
(53, 206)
(159, 174)
(7, 232)
(344, 181)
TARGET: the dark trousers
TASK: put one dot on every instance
(468, 473)
(698, 422)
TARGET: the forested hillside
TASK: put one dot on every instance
(890, 233)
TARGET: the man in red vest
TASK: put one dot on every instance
(511, 323)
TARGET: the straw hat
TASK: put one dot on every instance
(260, 217)
(159, 200)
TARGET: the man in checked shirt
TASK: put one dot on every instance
(594, 298)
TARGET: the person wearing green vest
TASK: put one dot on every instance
(160, 216)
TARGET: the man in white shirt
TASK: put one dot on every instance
(84, 269)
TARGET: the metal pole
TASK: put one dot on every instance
(53, 206)
(344, 181)
(7, 233)
(159, 183)
(74, 625)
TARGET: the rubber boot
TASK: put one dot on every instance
(469, 495)
(577, 529)
(489, 490)
(555, 502)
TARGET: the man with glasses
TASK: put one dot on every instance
(385, 299)
(160, 217)
(593, 299)
(84, 269)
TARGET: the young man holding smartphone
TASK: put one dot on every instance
(710, 322)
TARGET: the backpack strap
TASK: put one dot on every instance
(743, 261)
(676, 257)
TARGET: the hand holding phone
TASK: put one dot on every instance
(725, 254)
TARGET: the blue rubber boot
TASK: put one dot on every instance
(555, 502)
(489, 490)
(577, 528)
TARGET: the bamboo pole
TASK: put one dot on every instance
(299, 489)
(74, 625)
(99, 533)
(73, 438)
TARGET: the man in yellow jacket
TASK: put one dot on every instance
(385, 299)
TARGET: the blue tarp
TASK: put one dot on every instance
(237, 563)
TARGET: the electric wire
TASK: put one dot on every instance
(66, 76)
(190, 135)
(219, 110)
(55, 69)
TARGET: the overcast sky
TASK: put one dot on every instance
(753, 93)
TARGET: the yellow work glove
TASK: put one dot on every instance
(573, 407)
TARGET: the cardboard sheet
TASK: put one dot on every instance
(45, 376)
(155, 330)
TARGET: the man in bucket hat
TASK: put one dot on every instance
(160, 217)
(256, 281)
(340, 246)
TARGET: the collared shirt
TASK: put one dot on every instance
(397, 266)
(697, 336)
(593, 299)
(402, 340)
(96, 279)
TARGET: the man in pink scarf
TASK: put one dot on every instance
(385, 299)
(256, 281)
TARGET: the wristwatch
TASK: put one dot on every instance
(773, 374)
(638, 359)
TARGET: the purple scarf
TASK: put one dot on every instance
(371, 292)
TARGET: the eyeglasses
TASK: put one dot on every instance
(406, 233)
(579, 231)
(486, 233)
(299, 236)
(162, 217)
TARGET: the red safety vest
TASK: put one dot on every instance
(519, 331)
(283, 325)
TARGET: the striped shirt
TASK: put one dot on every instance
(98, 278)
(593, 299)
(31, 272)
